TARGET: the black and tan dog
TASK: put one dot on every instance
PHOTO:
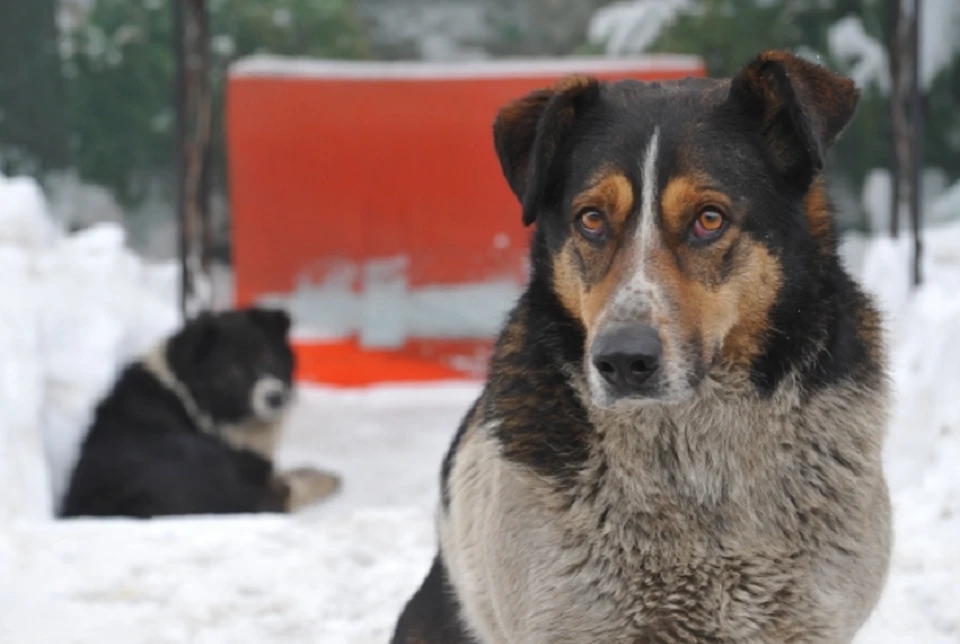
(680, 438)
(192, 427)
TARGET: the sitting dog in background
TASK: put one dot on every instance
(191, 428)
(681, 432)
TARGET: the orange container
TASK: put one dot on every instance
(368, 200)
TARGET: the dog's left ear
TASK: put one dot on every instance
(528, 132)
(800, 108)
(275, 321)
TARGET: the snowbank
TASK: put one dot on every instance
(274, 66)
(74, 308)
(923, 445)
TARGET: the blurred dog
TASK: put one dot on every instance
(192, 427)
(680, 436)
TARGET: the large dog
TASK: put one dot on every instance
(680, 437)
(191, 428)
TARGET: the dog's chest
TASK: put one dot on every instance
(655, 568)
(675, 572)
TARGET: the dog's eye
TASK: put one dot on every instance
(592, 223)
(709, 224)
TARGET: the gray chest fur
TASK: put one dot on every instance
(742, 524)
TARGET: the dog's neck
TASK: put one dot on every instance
(727, 443)
(259, 437)
(156, 363)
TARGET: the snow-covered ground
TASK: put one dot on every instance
(74, 307)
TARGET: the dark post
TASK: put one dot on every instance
(193, 105)
(917, 114)
(897, 121)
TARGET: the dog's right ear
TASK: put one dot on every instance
(528, 132)
(799, 108)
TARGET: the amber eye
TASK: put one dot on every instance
(593, 224)
(709, 224)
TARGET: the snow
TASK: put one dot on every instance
(351, 297)
(75, 307)
(939, 37)
(945, 206)
(270, 65)
(923, 445)
(630, 27)
(339, 572)
(22, 221)
(864, 55)
(241, 579)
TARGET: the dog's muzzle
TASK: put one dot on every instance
(269, 398)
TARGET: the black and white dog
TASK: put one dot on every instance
(192, 427)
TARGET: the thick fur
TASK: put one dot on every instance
(191, 428)
(738, 497)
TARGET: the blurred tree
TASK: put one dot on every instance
(119, 66)
(539, 27)
(33, 132)
(895, 44)
(191, 44)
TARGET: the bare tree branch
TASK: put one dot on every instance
(194, 99)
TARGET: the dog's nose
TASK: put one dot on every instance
(275, 399)
(626, 357)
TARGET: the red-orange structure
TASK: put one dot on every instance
(338, 165)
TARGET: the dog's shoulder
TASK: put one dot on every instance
(138, 402)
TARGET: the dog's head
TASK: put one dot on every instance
(673, 218)
(236, 365)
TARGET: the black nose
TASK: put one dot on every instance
(275, 399)
(626, 357)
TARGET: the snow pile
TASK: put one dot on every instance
(923, 445)
(23, 215)
(24, 487)
(75, 307)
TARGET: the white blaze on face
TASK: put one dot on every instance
(269, 398)
(647, 227)
(638, 295)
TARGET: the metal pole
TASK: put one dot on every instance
(917, 114)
